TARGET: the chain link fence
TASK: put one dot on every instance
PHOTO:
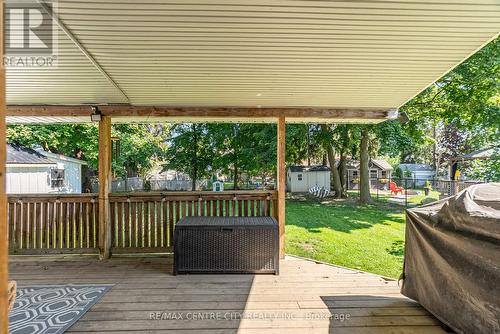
(412, 191)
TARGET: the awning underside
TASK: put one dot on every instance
(350, 54)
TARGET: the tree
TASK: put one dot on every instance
(297, 143)
(262, 147)
(485, 169)
(364, 173)
(466, 101)
(236, 148)
(74, 140)
(190, 151)
(346, 145)
(327, 139)
(141, 144)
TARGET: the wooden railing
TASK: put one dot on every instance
(145, 221)
(52, 223)
(140, 222)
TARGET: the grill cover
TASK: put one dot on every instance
(226, 245)
(452, 259)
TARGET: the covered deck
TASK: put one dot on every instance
(215, 61)
(307, 297)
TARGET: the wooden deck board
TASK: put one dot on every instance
(307, 297)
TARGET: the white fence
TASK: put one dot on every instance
(174, 185)
(127, 185)
(133, 184)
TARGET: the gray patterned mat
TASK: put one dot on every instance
(52, 309)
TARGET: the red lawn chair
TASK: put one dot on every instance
(395, 189)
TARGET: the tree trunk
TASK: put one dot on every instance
(335, 177)
(337, 186)
(193, 183)
(343, 174)
(235, 182)
(364, 174)
(308, 146)
(434, 146)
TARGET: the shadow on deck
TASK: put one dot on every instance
(306, 298)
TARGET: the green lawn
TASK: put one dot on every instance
(417, 200)
(364, 237)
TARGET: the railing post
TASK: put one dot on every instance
(281, 183)
(104, 187)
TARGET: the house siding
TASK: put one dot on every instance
(36, 179)
(28, 180)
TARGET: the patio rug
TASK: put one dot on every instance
(52, 309)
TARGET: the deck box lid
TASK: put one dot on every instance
(227, 221)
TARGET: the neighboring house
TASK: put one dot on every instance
(36, 171)
(378, 169)
(302, 178)
(419, 172)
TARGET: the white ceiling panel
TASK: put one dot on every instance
(289, 53)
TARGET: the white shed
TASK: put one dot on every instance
(40, 172)
(303, 178)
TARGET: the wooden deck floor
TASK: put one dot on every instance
(306, 298)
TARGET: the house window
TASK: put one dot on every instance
(373, 174)
(354, 173)
(384, 174)
(299, 177)
(56, 177)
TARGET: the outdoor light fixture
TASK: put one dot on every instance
(96, 114)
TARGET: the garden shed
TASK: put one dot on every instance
(302, 178)
(35, 171)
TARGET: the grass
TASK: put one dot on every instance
(413, 200)
(342, 232)
(417, 200)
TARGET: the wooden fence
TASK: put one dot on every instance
(140, 222)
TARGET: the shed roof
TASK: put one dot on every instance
(26, 156)
(61, 157)
(287, 53)
(416, 167)
(318, 168)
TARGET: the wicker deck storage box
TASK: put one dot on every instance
(226, 245)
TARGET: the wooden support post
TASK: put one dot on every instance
(281, 183)
(4, 263)
(104, 187)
